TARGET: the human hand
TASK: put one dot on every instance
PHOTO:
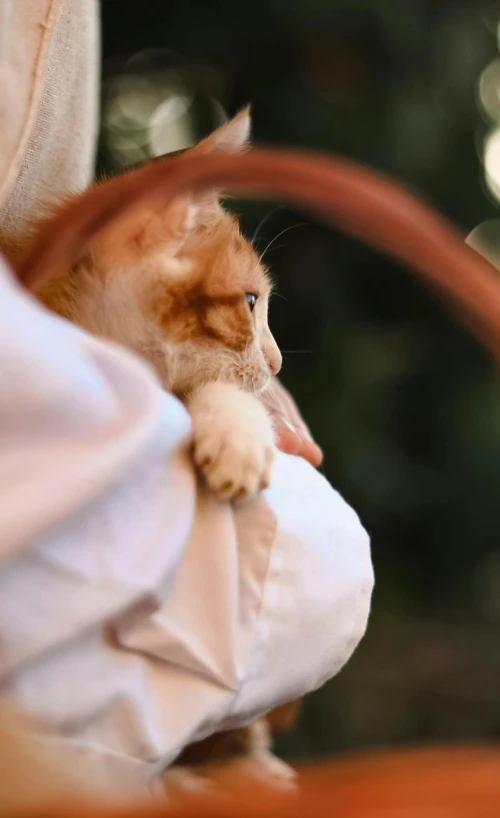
(292, 434)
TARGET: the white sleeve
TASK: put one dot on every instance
(103, 530)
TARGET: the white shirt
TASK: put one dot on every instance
(217, 612)
(138, 613)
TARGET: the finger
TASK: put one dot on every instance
(293, 435)
(287, 439)
(291, 441)
(289, 409)
(311, 452)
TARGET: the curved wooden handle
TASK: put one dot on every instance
(443, 783)
(345, 195)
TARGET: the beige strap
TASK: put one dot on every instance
(25, 33)
(49, 78)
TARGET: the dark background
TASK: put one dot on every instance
(404, 403)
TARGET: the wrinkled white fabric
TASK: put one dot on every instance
(137, 613)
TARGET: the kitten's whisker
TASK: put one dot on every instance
(297, 351)
(263, 221)
(278, 247)
(292, 227)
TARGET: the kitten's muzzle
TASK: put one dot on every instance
(273, 359)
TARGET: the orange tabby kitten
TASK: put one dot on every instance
(184, 289)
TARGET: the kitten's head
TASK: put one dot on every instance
(182, 287)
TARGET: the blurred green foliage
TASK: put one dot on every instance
(404, 403)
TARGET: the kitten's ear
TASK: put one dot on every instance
(233, 136)
(203, 208)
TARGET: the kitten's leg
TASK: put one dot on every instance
(234, 759)
(233, 440)
(257, 764)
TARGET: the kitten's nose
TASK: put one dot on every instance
(273, 358)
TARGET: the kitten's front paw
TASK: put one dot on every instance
(233, 440)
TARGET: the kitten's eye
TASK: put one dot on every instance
(251, 300)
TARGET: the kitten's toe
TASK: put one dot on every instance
(241, 494)
(233, 441)
(236, 473)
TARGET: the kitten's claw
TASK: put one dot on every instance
(233, 440)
